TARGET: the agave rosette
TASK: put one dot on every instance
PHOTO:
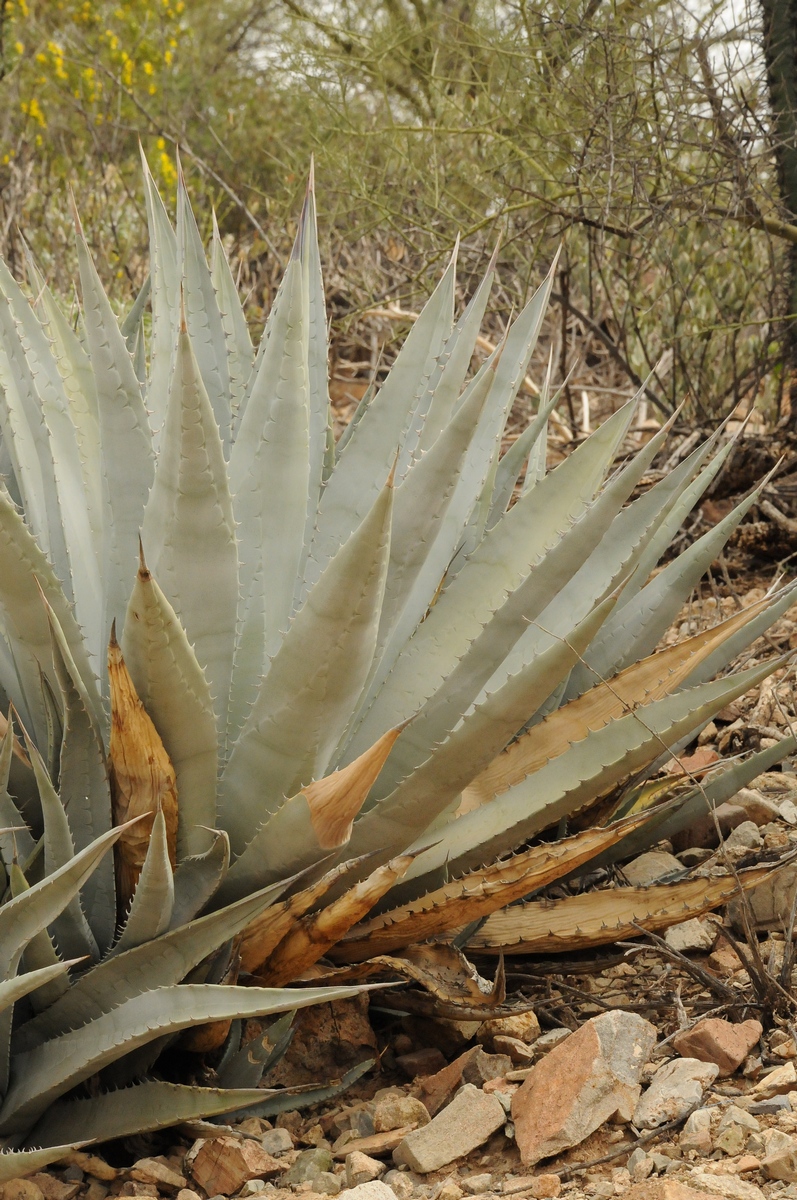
(352, 685)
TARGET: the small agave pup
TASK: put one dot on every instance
(352, 684)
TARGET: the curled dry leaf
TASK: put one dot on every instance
(142, 776)
(310, 938)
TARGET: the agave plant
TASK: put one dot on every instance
(355, 686)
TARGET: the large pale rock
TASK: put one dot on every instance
(467, 1122)
(719, 1041)
(581, 1083)
(677, 1087)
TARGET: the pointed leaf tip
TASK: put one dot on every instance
(335, 801)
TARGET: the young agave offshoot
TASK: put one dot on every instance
(353, 684)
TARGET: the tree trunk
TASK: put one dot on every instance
(780, 51)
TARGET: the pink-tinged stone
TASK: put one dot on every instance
(587, 1079)
(717, 1041)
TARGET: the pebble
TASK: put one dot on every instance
(376, 1190)
(696, 1133)
(476, 1185)
(640, 1165)
(308, 1164)
(779, 1160)
(276, 1142)
(746, 836)
(397, 1112)
(691, 937)
(360, 1168)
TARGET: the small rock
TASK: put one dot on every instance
(377, 1144)
(187, 1194)
(53, 1189)
(481, 1067)
(326, 1182)
(533, 1186)
(519, 1052)
(397, 1112)
(435, 1089)
(314, 1136)
(75, 1174)
(449, 1191)
(308, 1164)
(756, 806)
(691, 936)
(652, 867)
(776, 1083)
(725, 1186)
(676, 1088)
(523, 1026)
(731, 1140)
(361, 1120)
(696, 1133)
(746, 836)
(734, 1115)
(477, 1185)
(724, 960)
(252, 1187)
(788, 811)
(222, 1166)
(254, 1126)
(276, 1141)
(21, 1189)
(466, 1123)
(640, 1165)
(98, 1191)
(768, 900)
(360, 1168)
(426, 1061)
(779, 1160)
(549, 1040)
(403, 1183)
(693, 856)
(582, 1083)
(151, 1170)
(544, 1186)
(718, 1041)
(132, 1187)
(748, 1162)
(770, 1107)
(292, 1121)
(375, 1190)
(663, 1189)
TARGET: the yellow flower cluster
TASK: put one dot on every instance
(96, 49)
